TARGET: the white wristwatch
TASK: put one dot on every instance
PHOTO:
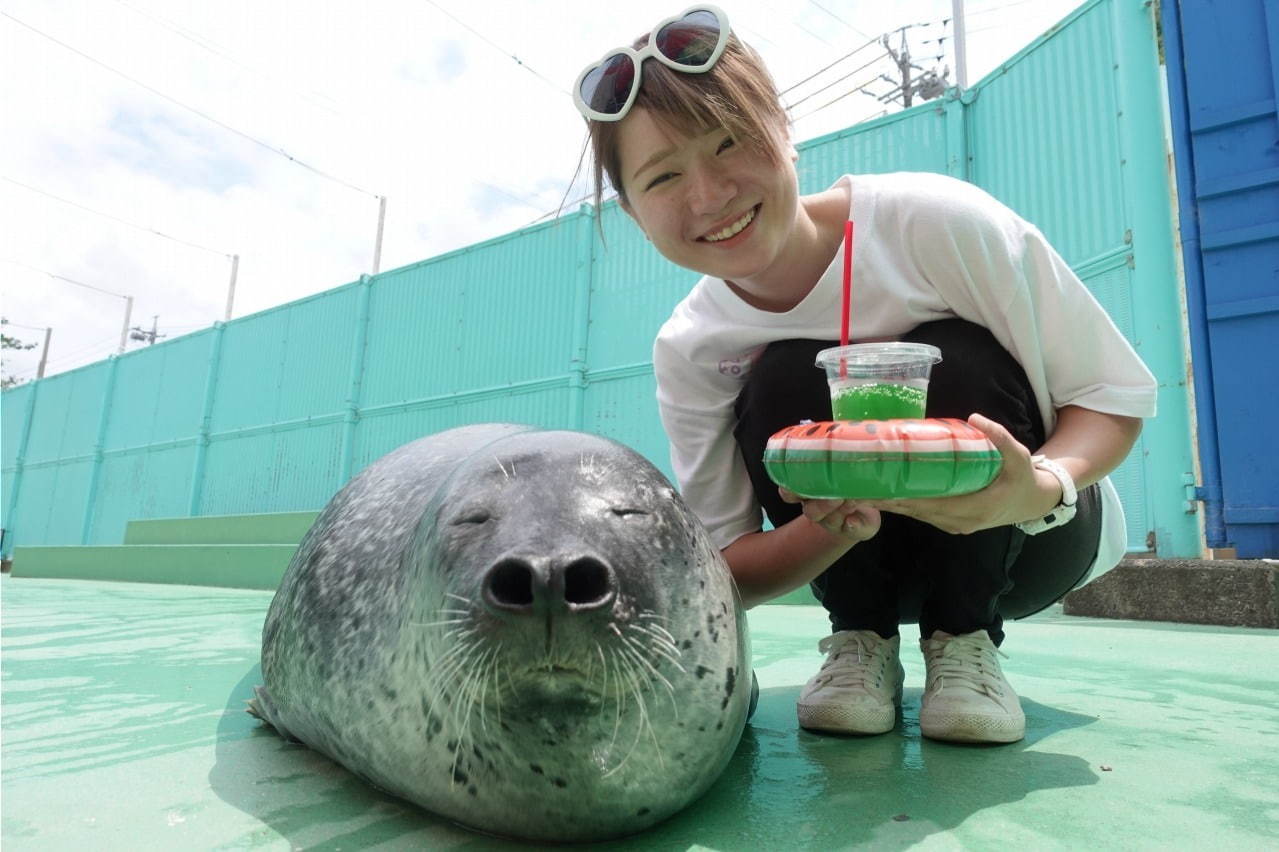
(1063, 511)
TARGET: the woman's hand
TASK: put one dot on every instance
(851, 520)
(1020, 492)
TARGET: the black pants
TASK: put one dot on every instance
(912, 571)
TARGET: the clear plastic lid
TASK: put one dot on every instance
(891, 358)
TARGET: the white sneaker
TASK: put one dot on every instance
(966, 697)
(858, 687)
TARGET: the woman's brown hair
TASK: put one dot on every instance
(738, 94)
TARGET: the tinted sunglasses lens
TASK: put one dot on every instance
(691, 40)
(608, 86)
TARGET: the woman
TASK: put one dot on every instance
(696, 144)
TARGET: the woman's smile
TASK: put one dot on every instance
(740, 227)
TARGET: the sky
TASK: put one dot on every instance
(143, 143)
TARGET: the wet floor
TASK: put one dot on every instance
(123, 728)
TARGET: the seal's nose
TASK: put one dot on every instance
(522, 585)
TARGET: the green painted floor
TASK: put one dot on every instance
(123, 728)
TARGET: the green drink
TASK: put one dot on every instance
(879, 401)
(879, 381)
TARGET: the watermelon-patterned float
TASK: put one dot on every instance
(877, 459)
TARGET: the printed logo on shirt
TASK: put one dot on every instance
(740, 367)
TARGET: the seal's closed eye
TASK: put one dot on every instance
(626, 512)
(474, 516)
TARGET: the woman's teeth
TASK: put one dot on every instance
(731, 229)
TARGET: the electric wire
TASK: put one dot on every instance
(62, 278)
(24, 327)
(192, 109)
(113, 218)
(853, 52)
(836, 100)
(838, 18)
(212, 47)
(490, 43)
(836, 82)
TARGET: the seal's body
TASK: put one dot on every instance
(524, 631)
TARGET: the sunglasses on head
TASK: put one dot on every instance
(691, 41)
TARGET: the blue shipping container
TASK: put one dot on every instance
(1223, 79)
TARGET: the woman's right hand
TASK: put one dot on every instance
(847, 519)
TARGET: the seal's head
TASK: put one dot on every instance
(555, 650)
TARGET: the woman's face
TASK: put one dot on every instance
(707, 202)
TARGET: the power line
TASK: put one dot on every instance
(878, 58)
(63, 278)
(112, 218)
(838, 18)
(972, 13)
(24, 327)
(828, 67)
(212, 47)
(192, 109)
(490, 43)
(797, 25)
(838, 99)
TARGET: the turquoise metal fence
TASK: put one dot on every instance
(553, 326)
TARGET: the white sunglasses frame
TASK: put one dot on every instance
(638, 57)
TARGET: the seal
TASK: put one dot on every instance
(524, 631)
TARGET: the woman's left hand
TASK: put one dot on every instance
(1017, 494)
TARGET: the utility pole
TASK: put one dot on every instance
(902, 61)
(377, 242)
(230, 293)
(44, 354)
(140, 333)
(128, 312)
(961, 47)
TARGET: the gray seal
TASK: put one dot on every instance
(524, 631)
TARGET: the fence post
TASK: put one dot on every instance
(27, 419)
(356, 383)
(956, 108)
(206, 420)
(579, 362)
(1158, 328)
(95, 471)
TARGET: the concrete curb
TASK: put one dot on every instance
(1234, 593)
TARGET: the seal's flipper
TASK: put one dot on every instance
(261, 706)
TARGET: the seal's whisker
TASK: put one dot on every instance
(642, 722)
(659, 642)
(439, 623)
(629, 676)
(483, 686)
(467, 692)
(636, 654)
(617, 704)
(466, 601)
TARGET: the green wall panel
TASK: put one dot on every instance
(69, 407)
(378, 435)
(273, 471)
(140, 484)
(487, 316)
(619, 408)
(158, 392)
(912, 141)
(287, 363)
(13, 422)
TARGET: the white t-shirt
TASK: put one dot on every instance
(928, 247)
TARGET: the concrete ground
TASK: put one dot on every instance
(123, 728)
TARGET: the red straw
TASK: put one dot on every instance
(848, 291)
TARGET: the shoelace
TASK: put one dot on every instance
(967, 661)
(862, 670)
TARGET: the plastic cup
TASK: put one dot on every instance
(878, 381)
